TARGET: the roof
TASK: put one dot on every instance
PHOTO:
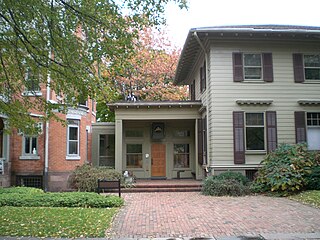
(192, 47)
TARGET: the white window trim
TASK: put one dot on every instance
(73, 156)
(248, 151)
(244, 67)
(311, 127)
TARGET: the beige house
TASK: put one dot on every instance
(251, 88)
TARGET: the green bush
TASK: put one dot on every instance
(224, 187)
(284, 171)
(20, 190)
(85, 178)
(67, 199)
(239, 177)
(313, 179)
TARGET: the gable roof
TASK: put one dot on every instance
(192, 47)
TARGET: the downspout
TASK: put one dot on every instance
(205, 164)
(46, 153)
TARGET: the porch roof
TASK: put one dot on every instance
(155, 104)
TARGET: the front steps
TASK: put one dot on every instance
(175, 185)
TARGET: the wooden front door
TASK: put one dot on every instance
(158, 160)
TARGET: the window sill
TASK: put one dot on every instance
(75, 158)
(29, 157)
(32, 94)
(253, 81)
(256, 152)
(311, 81)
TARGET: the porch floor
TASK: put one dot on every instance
(171, 185)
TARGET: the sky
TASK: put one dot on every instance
(206, 13)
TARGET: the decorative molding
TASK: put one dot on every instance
(254, 101)
(309, 101)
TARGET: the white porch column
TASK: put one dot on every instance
(118, 147)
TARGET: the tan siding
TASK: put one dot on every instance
(283, 91)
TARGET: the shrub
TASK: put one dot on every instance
(284, 171)
(85, 178)
(239, 177)
(20, 190)
(67, 199)
(224, 187)
(313, 179)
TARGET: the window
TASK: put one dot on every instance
(134, 155)
(181, 155)
(255, 139)
(252, 66)
(312, 67)
(73, 138)
(30, 181)
(30, 145)
(32, 83)
(183, 133)
(313, 131)
(107, 150)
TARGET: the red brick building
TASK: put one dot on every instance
(47, 159)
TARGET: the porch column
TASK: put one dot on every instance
(118, 147)
(198, 169)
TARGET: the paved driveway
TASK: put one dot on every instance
(148, 215)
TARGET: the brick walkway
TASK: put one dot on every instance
(159, 215)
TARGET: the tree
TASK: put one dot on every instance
(150, 75)
(60, 44)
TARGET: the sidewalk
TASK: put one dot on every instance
(192, 215)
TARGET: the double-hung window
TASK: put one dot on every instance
(313, 131)
(134, 155)
(32, 83)
(181, 155)
(255, 131)
(252, 66)
(30, 145)
(73, 138)
(312, 67)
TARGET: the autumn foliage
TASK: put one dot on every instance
(150, 76)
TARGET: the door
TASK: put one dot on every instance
(158, 160)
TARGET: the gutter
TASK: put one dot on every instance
(205, 165)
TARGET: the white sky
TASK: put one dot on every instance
(206, 13)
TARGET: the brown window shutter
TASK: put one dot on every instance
(298, 68)
(201, 76)
(238, 137)
(272, 141)
(200, 142)
(237, 67)
(300, 126)
(193, 91)
(204, 75)
(267, 67)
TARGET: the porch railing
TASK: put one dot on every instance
(1, 166)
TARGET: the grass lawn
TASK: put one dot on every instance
(55, 221)
(308, 197)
